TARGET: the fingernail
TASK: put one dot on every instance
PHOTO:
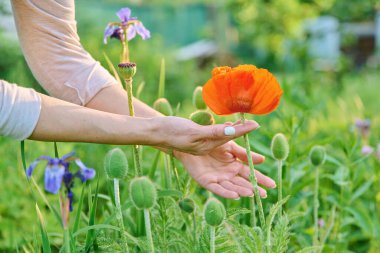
(237, 199)
(229, 131)
(265, 196)
(274, 185)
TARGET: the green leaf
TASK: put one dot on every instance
(45, 239)
(362, 189)
(111, 66)
(309, 249)
(236, 211)
(169, 193)
(79, 209)
(91, 236)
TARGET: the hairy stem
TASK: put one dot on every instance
(316, 206)
(148, 230)
(119, 215)
(136, 155)
(212, 239)
(252, 176)
(279, 174)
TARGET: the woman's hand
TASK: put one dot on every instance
(223, 171)
(184, 135)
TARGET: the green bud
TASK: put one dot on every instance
(116, 164)
(143, 193)
(280, 147)
(203, 118)
(198, 102)
(163, 106)
(187, 205)
(127, 70)
(215, 212)
(317, 155)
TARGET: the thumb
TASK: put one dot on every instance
(228, 132)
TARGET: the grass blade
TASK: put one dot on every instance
(45, 239)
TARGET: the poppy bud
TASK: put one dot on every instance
(317, 155)
(215, 212)
(163, 106)
(143, 193)
(187, 205)
(198, 102)
(280, 147)
(127, 70)
(116, 164)
(202, 118)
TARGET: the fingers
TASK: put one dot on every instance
(261, 178)
(247, 185)
(241, 154)
(241, 190)
(226, 132)
(221, 191)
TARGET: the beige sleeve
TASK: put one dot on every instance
(19, 110)
(49, 40)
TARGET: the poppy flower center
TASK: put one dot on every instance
(240, 104)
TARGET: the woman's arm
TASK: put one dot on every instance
(67, 122)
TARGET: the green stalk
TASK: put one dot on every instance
(66, 240)
(167, 172)
(194, 227)
(253, 213)
(175, 171)
(279, 174)
(125, 53)
(148, 230)
(136, 156)
(212, 239)
(119, 215)
(252, 175)
(316, 206)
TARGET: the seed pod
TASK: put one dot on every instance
(163, 106)
(317, 155)
(215, 212)
(202, 118)
(187, 205)
(116, 164)
(143, 193)
(280, 147)
(127, 70)
(198, 102)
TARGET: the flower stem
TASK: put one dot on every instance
(119, 215)
(136, 156)
(66, 238)
(175, 170)
(125, 53)
(279, 174)
(252, 176)
(316, 206)
(167, 171)
(253, 212)
(148, 230)
(212, 239)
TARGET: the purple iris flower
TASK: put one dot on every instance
(363, 126)
(116, 30)
(367, 150)
(57, 172)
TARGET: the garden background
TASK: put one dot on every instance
(324, 56)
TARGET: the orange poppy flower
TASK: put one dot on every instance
(244, 88)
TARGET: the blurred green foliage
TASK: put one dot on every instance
(317, 108)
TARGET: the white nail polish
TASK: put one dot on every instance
(229, 131)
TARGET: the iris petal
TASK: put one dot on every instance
(131, 32)
(108, 32)
(53, 178)
(85, 173)
(142, 31)
(124, 14)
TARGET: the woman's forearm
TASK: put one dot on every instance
(115, 100)
(66, 122)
